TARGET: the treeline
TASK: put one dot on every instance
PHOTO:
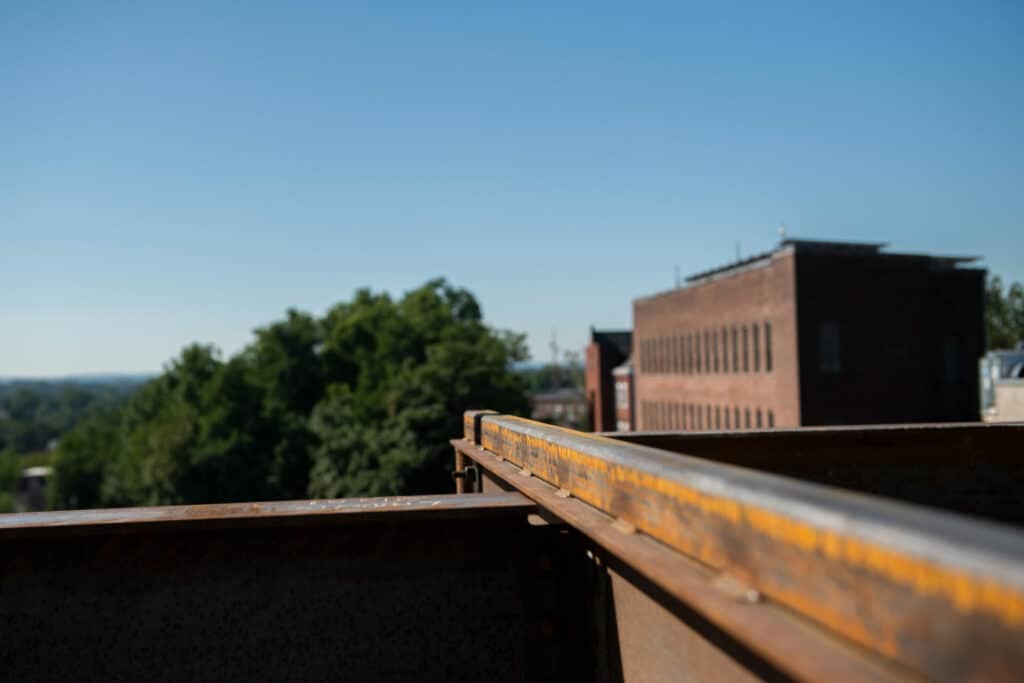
(359, 402)
(548, 377)
(35, 413)
(1004, 314)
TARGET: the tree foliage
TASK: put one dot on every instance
(359, 402)
(35, 412)
(1004, 314)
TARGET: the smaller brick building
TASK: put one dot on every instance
(607, 350)
(811, 333)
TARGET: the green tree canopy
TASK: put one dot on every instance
(1004, 314)
(359, 402)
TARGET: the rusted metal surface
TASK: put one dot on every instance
(656, 646)
(938, 594)
(767, 640)
(393, 509)
(971, 468)
(384, 595)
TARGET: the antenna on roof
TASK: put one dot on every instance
(782, 232)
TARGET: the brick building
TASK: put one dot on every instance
(607, 350)
(811, 333)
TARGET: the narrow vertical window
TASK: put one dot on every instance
(746, 351)
(746, 418)
(757, 348)
(714, 344)
(735, 351)
(758, 418)
(725, 350)
(700, 418)
(828, 348)
(727, 417)
(707, 415)
(707, 352)
(700, 363)
(771, 419)
(718, 417)
(767, 347)
(951, 360)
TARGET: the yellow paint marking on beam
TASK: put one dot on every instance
(965, 592)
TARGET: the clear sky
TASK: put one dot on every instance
(185, 172)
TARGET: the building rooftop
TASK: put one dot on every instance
(805, 246)
(621, 340)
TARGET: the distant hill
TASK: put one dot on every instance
(97, 378)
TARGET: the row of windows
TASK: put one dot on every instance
(712, 350)
(696, 417)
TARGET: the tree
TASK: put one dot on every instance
(10, 472)
(1004, 314)
(402, 374)
(360, 402)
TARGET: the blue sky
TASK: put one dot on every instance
(186, 172)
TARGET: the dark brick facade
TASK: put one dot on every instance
(606, 351)
(812, 333)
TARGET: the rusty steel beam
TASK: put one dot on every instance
(783, 643)
(305, 513)
(968, 468)
(388, 589)
(936, 593)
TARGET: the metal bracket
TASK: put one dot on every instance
(470, 474)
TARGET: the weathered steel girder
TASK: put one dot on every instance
(829, 584)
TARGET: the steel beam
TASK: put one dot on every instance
(933, 592)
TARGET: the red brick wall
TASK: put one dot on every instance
(668, 391)
(599, 400)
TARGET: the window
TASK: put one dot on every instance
(718, 417)
(679, 416)
(757, 348)
(727, 417)
(700, 418)
(736, 417)
(622, 395)
(682, 417)
(707, 416)
(746, 418)
(951, 360)
(675, 355)
(725, 350)
(700, 366)
(707, 351)
(828, 347)
(771, 419)
(767, 347)
(758, 418)
(746, 351)
(714, 345)
(735, 351)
